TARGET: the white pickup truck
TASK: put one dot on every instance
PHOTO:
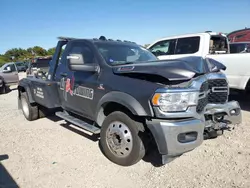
(211, 45)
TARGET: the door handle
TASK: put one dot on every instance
(63, 74)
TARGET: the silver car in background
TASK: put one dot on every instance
(8, 76)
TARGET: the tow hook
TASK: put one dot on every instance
(218, 130)
(223, 125)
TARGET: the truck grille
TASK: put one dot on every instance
(202, 102)
(218, 93)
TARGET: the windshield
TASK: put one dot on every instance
(122, 54)
(41, 63)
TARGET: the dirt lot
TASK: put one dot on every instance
(47, 153)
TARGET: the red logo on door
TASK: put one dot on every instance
(69, 85)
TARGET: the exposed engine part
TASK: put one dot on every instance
(216, 125)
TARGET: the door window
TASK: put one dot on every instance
(12, 67)
(218, 43)
(165, 47)
(248, 48)
(81, 49)
(188, 45)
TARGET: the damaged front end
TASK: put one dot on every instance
(219, 113)
(190, 106)
(220, 117)
(207, 115)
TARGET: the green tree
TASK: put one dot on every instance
(16, 53)
(51, 51)
(3, 60)
(30, 50)
(20, 54)
(39, 51)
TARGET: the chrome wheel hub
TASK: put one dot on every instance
(119, 139)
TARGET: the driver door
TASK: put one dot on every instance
(77, 88)
(11, 74)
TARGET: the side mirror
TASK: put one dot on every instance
(215, 66)
(76, 63)
(7, 70)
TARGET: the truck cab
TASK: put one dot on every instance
(207, 45)
(122, 92)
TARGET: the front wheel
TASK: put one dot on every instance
(121, 139)
(3, 89)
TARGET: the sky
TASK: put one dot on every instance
(27, 23)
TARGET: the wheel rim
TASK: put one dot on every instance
(119, 139)
(25, 107)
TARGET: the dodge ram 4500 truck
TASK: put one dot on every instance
(207, 45)
(122, 91)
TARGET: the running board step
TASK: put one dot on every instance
(78, 122)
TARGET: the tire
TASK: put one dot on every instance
(131, 140)
(3, 89)
(30, 112)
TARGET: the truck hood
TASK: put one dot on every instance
(176, 69)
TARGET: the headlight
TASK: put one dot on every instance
(175, 102)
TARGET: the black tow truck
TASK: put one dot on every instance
(122, 92)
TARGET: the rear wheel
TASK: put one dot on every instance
(121, 139)
(30, 112)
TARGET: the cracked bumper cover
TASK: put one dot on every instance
(175, 137)
(166, 135)
(231, 110)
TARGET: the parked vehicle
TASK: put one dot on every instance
(21, 67)
(123, 92)
(207, 45)
(26, 63)
(8, 76)
(239, 47)
(241, 35)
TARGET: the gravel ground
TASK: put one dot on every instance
(46, 153)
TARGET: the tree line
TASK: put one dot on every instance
(20, 54)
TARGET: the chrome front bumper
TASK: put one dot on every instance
(174, 138)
